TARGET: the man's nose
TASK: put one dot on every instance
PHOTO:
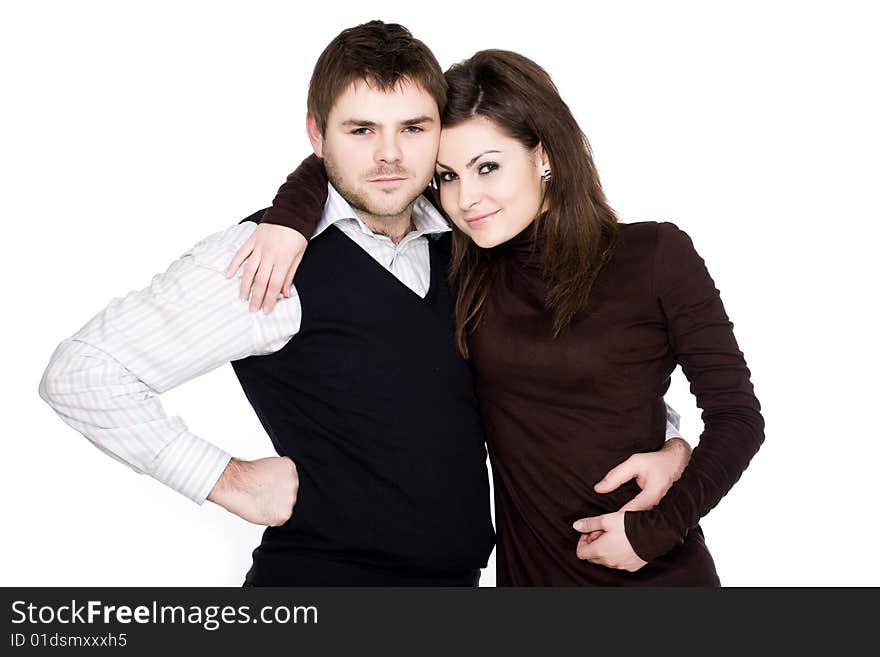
(389, 150)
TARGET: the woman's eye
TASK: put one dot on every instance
(488, 167)
(446, 176)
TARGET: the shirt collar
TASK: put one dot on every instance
(426, 219)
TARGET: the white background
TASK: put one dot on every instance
(130, 130)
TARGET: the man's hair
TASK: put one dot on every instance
(384, 55)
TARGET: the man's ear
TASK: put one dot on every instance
(315, 135)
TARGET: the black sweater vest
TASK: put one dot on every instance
(376, 407)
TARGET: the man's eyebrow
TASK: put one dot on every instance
(469, 164)
(363, 123)
(419, 119)
(359, 122)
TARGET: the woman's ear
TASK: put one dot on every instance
(542, 159)
(315, 136)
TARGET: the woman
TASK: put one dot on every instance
(573, 323)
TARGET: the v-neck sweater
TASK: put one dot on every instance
(376, 407)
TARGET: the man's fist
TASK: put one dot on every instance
(262, 492)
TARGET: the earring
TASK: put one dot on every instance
(547, 177)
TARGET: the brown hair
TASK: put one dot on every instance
(578, 231)
(382, 54)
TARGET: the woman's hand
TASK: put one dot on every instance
(272, 253)
(612, 548)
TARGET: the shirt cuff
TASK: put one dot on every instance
(191, 466)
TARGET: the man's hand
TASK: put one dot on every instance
(262, 492)
(611, 549)
(272, 253)
(654, 472)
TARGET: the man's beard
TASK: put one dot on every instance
(360, 201)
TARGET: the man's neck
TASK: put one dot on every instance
(394, 228)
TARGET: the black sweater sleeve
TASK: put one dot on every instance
(701, 338)
(300, 200)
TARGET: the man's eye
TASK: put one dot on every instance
(414, 129)
(360, 131)
(488, 167)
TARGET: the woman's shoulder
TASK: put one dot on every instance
(652, 236)
(665, 253)
(650, 229)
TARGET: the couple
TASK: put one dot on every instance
(572, 324)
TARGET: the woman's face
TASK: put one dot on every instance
(490, 184)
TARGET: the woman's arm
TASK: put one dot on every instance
(275, 249)
(701, 338)
(299, 202)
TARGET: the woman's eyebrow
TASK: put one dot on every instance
(471, 163)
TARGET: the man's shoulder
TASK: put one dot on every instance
(217, 250)
(441, 241)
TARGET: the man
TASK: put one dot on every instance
(354, 375)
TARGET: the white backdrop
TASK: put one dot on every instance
(131, 130)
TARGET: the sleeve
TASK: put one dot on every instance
(300, 200)
(104, 381)
(702, 341)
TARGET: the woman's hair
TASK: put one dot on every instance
(579, 228)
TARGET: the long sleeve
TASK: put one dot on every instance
(702, 341)
(104, 381)
(300, 200)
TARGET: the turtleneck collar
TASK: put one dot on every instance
(524, 248)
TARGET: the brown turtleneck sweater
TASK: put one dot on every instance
(559, 413)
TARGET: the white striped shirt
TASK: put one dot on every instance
(104, 381)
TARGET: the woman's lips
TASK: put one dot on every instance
(480, 219)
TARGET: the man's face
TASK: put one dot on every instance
(379, 148)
